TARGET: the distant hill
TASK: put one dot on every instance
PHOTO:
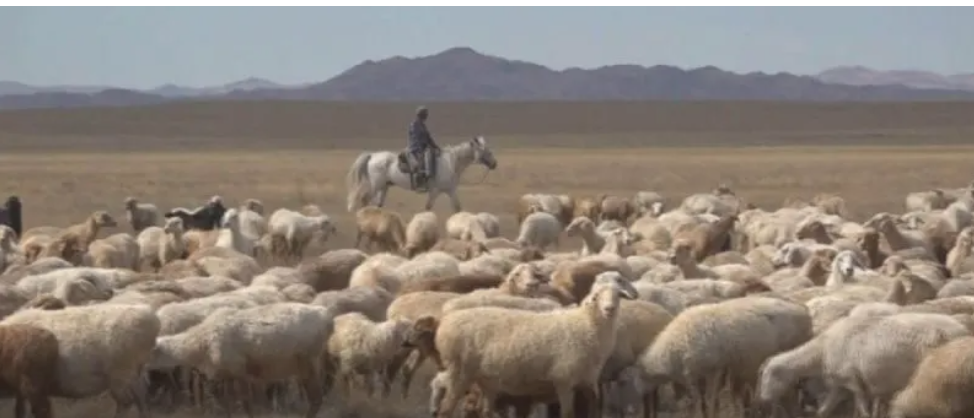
(463, 74)
(864, 76)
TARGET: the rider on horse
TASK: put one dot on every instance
(422, 147)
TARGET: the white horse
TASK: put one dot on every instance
(372, 173)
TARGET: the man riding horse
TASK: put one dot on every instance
(422, 147)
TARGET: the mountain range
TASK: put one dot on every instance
(463, 74)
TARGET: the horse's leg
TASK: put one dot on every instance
(380, 195)
(455, 200)
(431, 198)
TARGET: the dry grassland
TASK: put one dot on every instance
(65, 164)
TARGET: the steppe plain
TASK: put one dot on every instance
(66, 163)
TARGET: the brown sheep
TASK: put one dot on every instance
(588, 208)
(69, 243)
(380, 227)
(616, 208)
(708, 239)
(574, 280)
(331, 270)
(456, 284)
(28, 367)
(460, 249)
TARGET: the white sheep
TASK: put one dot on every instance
(102, 347)
(141, 215)
(360, 346)
(466, 226)
(539, 229)
(115, 251)
(159, 246)
(256, 345)
(511, 351)
(649, 202)
(231, 234)
(291, 231)
(422, 233)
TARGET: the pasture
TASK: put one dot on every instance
(64, 164)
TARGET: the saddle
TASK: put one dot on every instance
(409, 165)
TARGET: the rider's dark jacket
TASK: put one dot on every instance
(419, 137)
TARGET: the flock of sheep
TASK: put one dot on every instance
(781, 312)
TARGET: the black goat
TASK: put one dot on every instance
(205, 218)
(10, 215)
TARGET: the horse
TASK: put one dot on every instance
(370, 176)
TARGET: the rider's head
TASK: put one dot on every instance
(422, 112)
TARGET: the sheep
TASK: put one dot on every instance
(421, 233)
(616, 208)
(941, 385)
(875, 355)
(204, 218)
(72, 285)
(255, 345)
(115, 251)
(708, 239)
(140, 215)
(456, 284)
(101, 347)
(539, 229)
(460, 249)
(10, 215)
(361, 346)
(368, 301)
(231, 235)
(510, 351)
(490, 224)
(219, 261)
(583, 227)
(159, 246)
(926, 200)
(561, 206)
(28, 367)
(380, 227)
(253, 205)
(466, 226)
(291, 231)
(378, 271)
(647, 202)
(331, 270)
(68, 243)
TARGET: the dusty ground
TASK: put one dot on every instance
(65, 164)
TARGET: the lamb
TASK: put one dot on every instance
(460, 249)
(10, 215)
(360, 346)
(159, 246)
(204, 218)
(583, 227)
(28, 367)
(539, 229)
(466, 226)
(140, 215)
(941, 385)
(115, 251)
(68, 243)
(256, 345)
(651, 203)
(380, 227)
(331, 270)
(101, 347)
(370, 302)
(616, 208)
(231, 234)
(509, 351)
(421, 233)
(291, 231)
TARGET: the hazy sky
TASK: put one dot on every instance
(145, 47)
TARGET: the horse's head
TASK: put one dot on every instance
(482, 153)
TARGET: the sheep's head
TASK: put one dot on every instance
(579, 225)
(845, 263)
(230, 219)
(173, 225)
(788, 254)
(811, 229)
(525, 279)
(421, 333)
(131, 203)
(103, 220)
(681, 252)
(7, 237)
(608, 287)
(255, 206)
(774, 381)
(311, 210)
(656, 208)
(965, 237)
(325, 226)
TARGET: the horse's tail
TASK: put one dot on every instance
(357, 181)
